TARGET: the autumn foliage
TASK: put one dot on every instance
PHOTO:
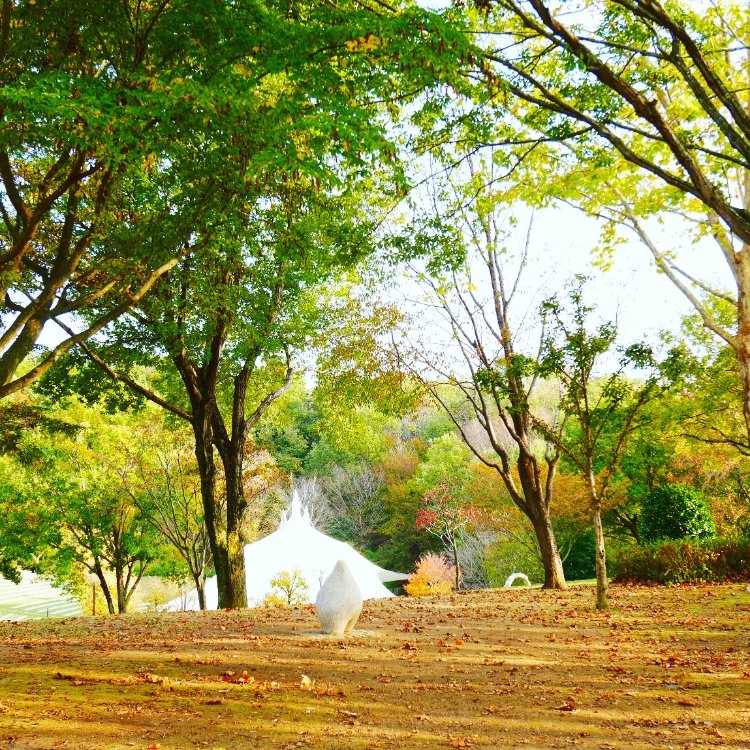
(434, 575)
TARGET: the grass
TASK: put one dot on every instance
(514, 668)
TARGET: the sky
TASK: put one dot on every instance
(630, 290)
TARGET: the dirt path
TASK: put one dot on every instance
(668, 668)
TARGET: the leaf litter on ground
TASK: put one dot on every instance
(518, 668)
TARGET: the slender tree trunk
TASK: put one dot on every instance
(536, 509)
(232, 454)
(602, 587)
(212, 512)
(454, 547)
(107, 593)
(226, 544)
(200, 587)
(122, 597)
(221, 568)
(236, 571)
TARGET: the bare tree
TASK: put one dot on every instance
(310, 491)
(472, 557)
(355, 499)
(172, 504)
(475, 297)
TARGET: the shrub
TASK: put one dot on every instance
(434, 575)
(675, 511)
(581, 560)
(686, 561)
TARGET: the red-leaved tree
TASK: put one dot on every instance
(447, 515)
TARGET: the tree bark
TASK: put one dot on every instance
(122, 597)
(602, 586)
(554, 577)
(232, 452)
(236, 570)
(743, 329)
(212, 511)
(200, 587)
(105, 589)
(454, 548)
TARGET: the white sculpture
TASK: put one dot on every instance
(514, 577)
(339, 601)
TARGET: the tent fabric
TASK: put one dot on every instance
(34, 598)
(298, 545)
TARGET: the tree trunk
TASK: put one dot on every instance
(212, 510)
(236, 572)
(122, 597)
(536, 505)
(221, 568)
(105, 590)
(200, 587)
(232, 460)
(454, 547)
(232, 453)
(223, 534)
(602, 601)
(742, 348)
(554, 577)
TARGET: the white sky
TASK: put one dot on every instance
(643, 301)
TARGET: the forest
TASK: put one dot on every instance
(252, 246)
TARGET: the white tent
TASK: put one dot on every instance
(34, 598)
(297, 545)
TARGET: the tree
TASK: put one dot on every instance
(221, 320)
(100, 102)
(473, 285)
(288, 588)
(447, 515)
(66, 501)
(399, 543)
(288, 428)
(658, 87)
(166, 490)
(106, 533)
(92, 95)
(433, 576)
(282, 169)
(355, 498)
(603, 412)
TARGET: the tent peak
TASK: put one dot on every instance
(298, 515)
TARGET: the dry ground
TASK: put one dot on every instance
(520, 668)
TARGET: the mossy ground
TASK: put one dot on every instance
(519, 668)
